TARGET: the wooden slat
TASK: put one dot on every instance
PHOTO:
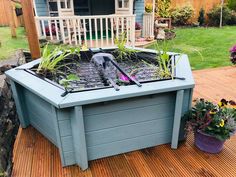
(31, 30)
(34, 155)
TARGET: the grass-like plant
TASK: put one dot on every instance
(164, 61)
(51, 58)
(122, 51)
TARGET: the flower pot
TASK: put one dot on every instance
(207, 143)
(19, 11)
(138, 33)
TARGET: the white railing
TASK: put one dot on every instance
(148, 25)
(91, 31)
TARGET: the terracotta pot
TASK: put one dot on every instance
(207, 143)
(138, 33)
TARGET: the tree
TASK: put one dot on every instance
(221, 13)
(232, 4)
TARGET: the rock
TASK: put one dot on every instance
(8, 117)
(161, 34)
(16, 59)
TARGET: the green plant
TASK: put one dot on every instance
(18, 5)
(232, 20)
(163, 8)
(122, 51)
(70, 78)
(214, 16)
(164, 69)
(181, 16)
(216, 120)
(201, 18)
(50, 60)
(231, 4)
(148, 8)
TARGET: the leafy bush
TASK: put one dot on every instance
(180, 16)
(232, 4)
(201, 18)
(232, 20)
(163, 8)
(214, 16)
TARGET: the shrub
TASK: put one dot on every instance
(163, 7)
(180, 16)
(232, 4)
(232, 20)
(214, 16)
(201, 18)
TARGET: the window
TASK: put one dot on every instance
(65, 4)
(123, 3)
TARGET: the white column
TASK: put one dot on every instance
(153, 18)
(59, 7)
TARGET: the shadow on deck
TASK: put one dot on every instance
(35, 156)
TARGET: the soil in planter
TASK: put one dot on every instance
(142, 64)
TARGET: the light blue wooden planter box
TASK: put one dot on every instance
(100, 123)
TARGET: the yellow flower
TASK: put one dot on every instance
(220, 104)
(222, 123)
(212, 112)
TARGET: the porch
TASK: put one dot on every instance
(92, 23)
(36, 156)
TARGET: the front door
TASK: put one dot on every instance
(94, 7)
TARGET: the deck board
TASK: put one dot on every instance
(35, 156)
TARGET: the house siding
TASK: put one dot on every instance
(41, 7)
(139, 10)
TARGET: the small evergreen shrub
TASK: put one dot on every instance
(181, 16)
(201, 18)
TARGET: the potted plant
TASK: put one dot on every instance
(233, 54)
(148, 8)
(212, 124)
(18, 9)
(138, 31)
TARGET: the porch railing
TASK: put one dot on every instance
(91, 31)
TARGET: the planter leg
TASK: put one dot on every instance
(177, 118)
(58, 135)
(20, 106)
(78, 132)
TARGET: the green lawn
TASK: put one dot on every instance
(212, 43)
(8, 44)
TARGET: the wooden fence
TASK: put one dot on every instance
(196, 4)
(4, 15)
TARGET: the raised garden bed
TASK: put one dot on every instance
(110, 110)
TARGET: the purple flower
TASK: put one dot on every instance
(138, 26)
(125, 78)
(233, 49)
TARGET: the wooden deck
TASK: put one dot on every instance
(35, 156)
